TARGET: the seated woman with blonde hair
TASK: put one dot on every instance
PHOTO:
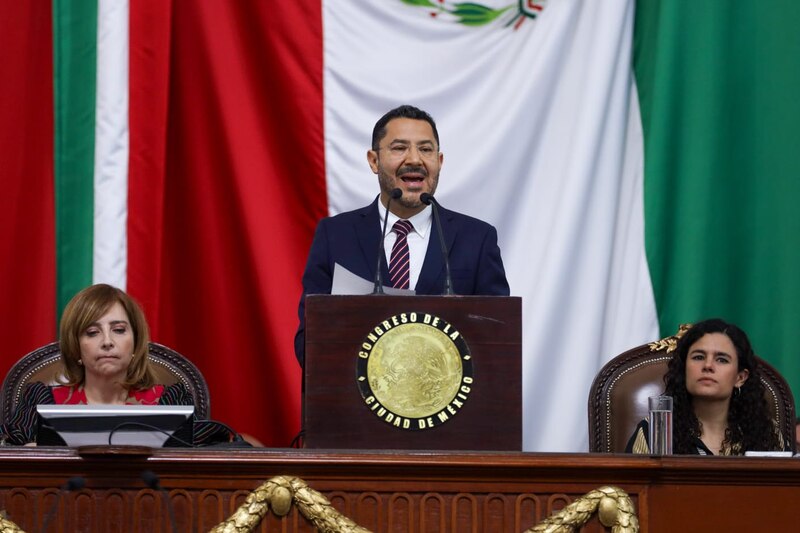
(719, 406)
(104, 341)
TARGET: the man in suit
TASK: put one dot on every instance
(405, 155)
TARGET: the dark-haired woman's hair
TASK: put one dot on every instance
(750, 424)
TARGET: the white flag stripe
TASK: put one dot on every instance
(111, 145)
(537, 126)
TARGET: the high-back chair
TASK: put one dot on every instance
(618, 397)
(44, 364)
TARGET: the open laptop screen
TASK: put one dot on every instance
(143, 425)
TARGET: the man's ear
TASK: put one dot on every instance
(372, 159)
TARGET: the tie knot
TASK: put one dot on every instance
(402, 227)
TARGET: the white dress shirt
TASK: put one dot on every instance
(417, 240)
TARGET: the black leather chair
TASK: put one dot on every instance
(44, 364)
(618, 397)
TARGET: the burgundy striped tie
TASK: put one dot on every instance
(398, 261)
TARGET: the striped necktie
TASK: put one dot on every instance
(398, 261)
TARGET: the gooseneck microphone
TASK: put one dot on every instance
(73, 483)
(428, 199)
(150, 479)
(394, 194)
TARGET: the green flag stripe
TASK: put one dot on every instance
(719, 108)
(74, 65)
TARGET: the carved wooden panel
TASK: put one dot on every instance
(144, 510)
(391, 491)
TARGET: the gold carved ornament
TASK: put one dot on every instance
(278, 494)
(7, 526)
(670, 343)
(613, 506)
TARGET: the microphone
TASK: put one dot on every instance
(428, 199)
(151, 480)
(394, 194)
(73, 483)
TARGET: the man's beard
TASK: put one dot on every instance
(408, 201)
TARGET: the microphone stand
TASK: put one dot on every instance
(150, 479)
(378, 288)
(428, 199)
(73, 483)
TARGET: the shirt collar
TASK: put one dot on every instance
(421, 221)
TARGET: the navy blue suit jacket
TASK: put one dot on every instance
(352, 239)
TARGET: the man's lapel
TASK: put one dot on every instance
(433, 267)
(369, 236)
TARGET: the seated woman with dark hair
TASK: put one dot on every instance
(719, 406)
(104, 341)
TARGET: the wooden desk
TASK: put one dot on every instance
(395, 491)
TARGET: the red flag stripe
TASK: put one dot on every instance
(232, 169)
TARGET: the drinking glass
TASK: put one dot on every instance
(660, 425)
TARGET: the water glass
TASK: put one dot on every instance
(660, 425)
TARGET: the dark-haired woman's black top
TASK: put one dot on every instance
(639, 443)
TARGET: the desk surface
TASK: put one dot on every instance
(395, 490)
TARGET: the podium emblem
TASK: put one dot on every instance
(414, 371)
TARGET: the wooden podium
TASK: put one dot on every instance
(337, 415)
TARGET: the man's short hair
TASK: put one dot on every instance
(404, 111)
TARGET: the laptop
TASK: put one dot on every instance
(141, 425)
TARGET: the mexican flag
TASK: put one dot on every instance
(637, 159)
